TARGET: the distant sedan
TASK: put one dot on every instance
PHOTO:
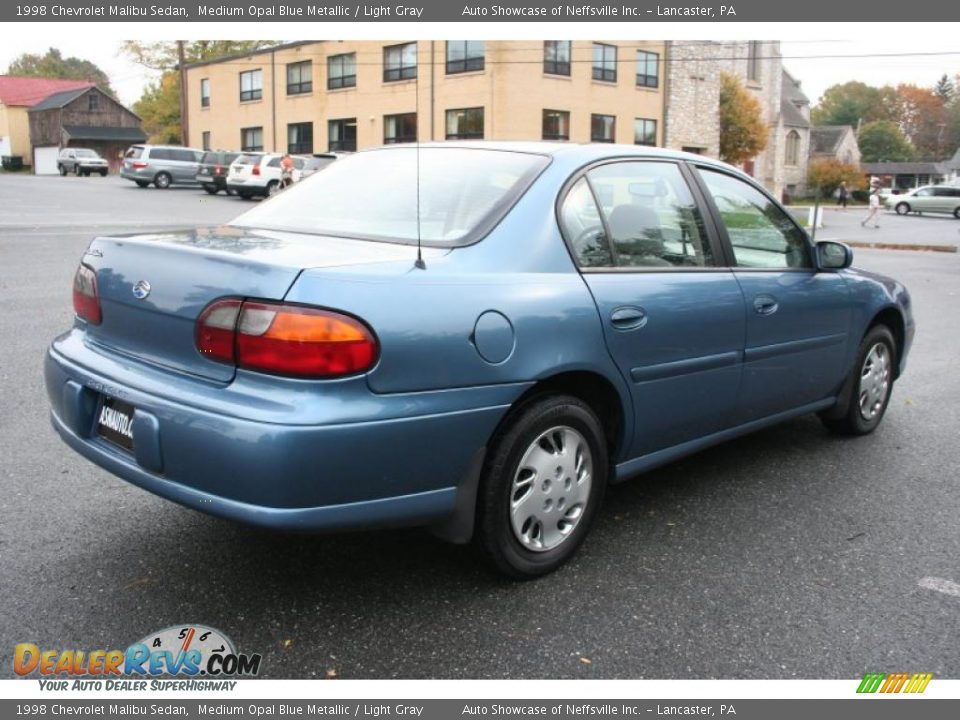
(472, 337)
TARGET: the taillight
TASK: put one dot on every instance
(139, 165)
(286, 339)
(86, 299)
(217, 170)
(256, 170)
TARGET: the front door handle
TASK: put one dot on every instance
(628, 318)
(765, 304)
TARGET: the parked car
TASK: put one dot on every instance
(258, 174)
(472, 337)
(318, 161)
(930, 198)
(161, 165)
(213, 171)
(81, 161)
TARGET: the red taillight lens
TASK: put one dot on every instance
(286, 339)
(217, 170)
(86, 299)
(256, 170)
(139, 165)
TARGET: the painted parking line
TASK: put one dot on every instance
(940, 585)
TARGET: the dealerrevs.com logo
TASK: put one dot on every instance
(187, 652)
(889, 683)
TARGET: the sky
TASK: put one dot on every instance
(802, 57)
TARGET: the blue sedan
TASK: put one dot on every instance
(471, 337)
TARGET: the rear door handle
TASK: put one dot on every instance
(765, 304)
(628, 318)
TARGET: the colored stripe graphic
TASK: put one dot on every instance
(894, 682)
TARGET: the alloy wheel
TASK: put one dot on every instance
(874, 381)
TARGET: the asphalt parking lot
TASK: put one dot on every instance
(786, 554)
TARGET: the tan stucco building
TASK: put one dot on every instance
(328, 95)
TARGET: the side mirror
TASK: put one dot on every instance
(833, 255)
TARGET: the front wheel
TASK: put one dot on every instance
(956, 213)
(103, 173)
(162, 181)
(543, 481)
(63, 170)
(902, 208)
(872, 385)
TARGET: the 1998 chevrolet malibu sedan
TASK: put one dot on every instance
(572, 315)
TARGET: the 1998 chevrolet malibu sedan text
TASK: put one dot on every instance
(578, 314)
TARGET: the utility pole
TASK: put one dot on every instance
(184, 123)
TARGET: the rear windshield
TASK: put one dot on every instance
(134, 152)
(464, 192)
(210, 158)
(318, 162)
(248, 159)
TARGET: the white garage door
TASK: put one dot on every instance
(45, 160)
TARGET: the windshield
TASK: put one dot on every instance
(86, 153)
(373, 195)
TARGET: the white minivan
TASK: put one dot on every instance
(257, 173)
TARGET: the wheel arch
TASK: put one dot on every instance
(892, 318)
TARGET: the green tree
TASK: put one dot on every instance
(854, 102)
(743, 134)
(159, 108)
(52, 64)
(944, 88)
(883, 141)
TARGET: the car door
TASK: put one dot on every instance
(923, 200)
(946, 199)
(798, 318)
(672, 315)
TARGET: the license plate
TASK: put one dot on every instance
(115, 422)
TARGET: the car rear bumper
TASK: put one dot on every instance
(247, 188)
(399, 467)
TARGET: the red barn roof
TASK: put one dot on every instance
(28, 91)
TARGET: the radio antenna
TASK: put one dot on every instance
(419, 264)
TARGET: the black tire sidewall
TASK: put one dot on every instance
(495, 534)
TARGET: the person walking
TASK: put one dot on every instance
(843, 195)
(874, 204)
(286, 171)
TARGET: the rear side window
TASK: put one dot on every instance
(160, 154)
(635, 215)
(228, 158)
(274, 162)
(760, 231)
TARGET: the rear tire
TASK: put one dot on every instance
(244, 195)
(273, 187)
(542, 483)
(142, 183)
(162, 180)
(873, 377)
(956, 213)
(902, 208)
(212, 189)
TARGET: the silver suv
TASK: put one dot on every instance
(162, 165)
(81, 161)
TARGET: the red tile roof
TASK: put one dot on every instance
(28, 91)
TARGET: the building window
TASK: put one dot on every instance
(465, 124)
(205, 92)
(342, 71)
(556, 57)
(644, 132)
(556, 125)
(300, 138)
(251, 85)
(464, 56)
(603, 128)
(343, 134)
(693, 150)
(93, 102)
(206, 139)
(251, 139)
(399, 128)
(400, 62)
(604, 62)
(753, 60)
(300, 77)
(648, 69)
(792, 154)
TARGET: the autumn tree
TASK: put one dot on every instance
(163, 55)
(852, 103)
(828, 173)
(743, 134)
(883, 141)
(52, 64)
(922, 116)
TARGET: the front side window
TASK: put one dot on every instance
(556, 57)
(342, 135)
(760, 231)
(604, 62)
(400, 62)
(341, 71)
(556, 125)
(205, 92)
(464, 56)
(300, 138)
(603, 128)
(251, 139)
(465, 124)
(251, 85)
(647, 218)
(645, 132)
(300, 77)
(399, 128)
(648, 68)
(463, 194)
